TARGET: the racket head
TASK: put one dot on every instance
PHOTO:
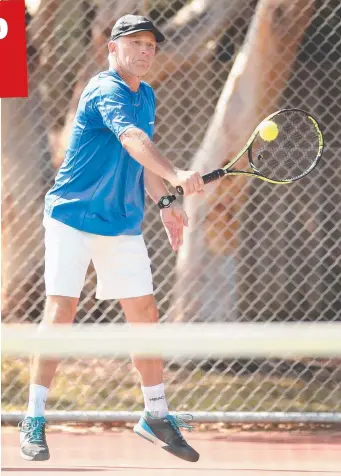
(293, 154)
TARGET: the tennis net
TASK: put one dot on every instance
(272, 416)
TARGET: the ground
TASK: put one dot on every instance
(117, 451)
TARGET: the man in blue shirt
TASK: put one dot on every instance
(94, 213)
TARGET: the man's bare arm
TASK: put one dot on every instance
(144, 151)
(154, 185)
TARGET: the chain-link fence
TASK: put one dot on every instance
(253, 252)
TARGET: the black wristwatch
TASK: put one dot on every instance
(166, 201)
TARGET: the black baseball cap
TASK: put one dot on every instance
(129, 24)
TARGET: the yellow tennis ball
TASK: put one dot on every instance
(268, 130)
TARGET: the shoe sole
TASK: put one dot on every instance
(140, 431)
(37, 457)
(147, 436)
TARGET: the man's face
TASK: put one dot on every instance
(135, 53)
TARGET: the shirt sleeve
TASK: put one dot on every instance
(115, 105)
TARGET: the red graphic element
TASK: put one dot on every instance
(13, 62)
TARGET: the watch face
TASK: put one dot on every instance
(166, 201)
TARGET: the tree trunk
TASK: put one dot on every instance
(206, 265)
(191, 35)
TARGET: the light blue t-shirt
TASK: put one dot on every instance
(100, 188)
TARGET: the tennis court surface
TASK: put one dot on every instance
(118, 451)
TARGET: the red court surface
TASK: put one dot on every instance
(120, 452)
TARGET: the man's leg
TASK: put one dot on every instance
(33, 445)
(67, 258)
(123, 271)
(156, 425)
(58, 310)
(144, 310)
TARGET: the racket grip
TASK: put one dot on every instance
(207, 178)
(212, 176)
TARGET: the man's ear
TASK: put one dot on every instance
(112, 46)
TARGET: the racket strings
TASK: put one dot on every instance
(292, 153)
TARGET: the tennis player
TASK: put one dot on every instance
(94, 213)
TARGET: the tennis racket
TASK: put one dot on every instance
(291, 155)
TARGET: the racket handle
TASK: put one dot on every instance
(207, 178)
(212, 176)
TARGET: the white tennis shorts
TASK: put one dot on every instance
(121, 262)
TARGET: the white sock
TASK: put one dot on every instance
(37, 400)
(155, 400)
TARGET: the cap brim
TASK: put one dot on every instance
(157, 33)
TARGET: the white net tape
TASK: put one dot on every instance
(272, 340)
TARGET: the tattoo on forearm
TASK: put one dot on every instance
(144, 142)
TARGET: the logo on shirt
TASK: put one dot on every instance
(152, 122)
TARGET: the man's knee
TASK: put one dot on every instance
(140, 309)
(60, 309)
